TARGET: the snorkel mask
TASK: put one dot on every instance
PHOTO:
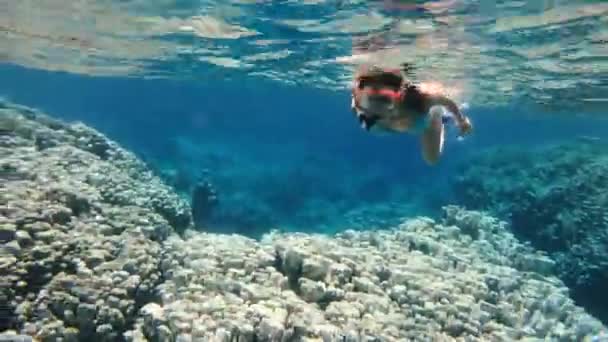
(380, 99)
(377, 93)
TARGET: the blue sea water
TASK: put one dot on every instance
(280, 156)
(253, 97)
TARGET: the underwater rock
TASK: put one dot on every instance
(555, 198)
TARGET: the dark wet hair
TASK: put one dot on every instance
(382, 77)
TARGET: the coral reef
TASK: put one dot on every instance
(90, 251)
(80, 229)
(423, 280)
(556, 198)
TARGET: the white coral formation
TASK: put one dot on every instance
(420, 281)
(80, 229)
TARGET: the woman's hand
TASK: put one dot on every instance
(465, 126)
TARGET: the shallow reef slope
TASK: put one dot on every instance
(556, 197)
(90, 252)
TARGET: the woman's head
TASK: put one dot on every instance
(378, 90)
